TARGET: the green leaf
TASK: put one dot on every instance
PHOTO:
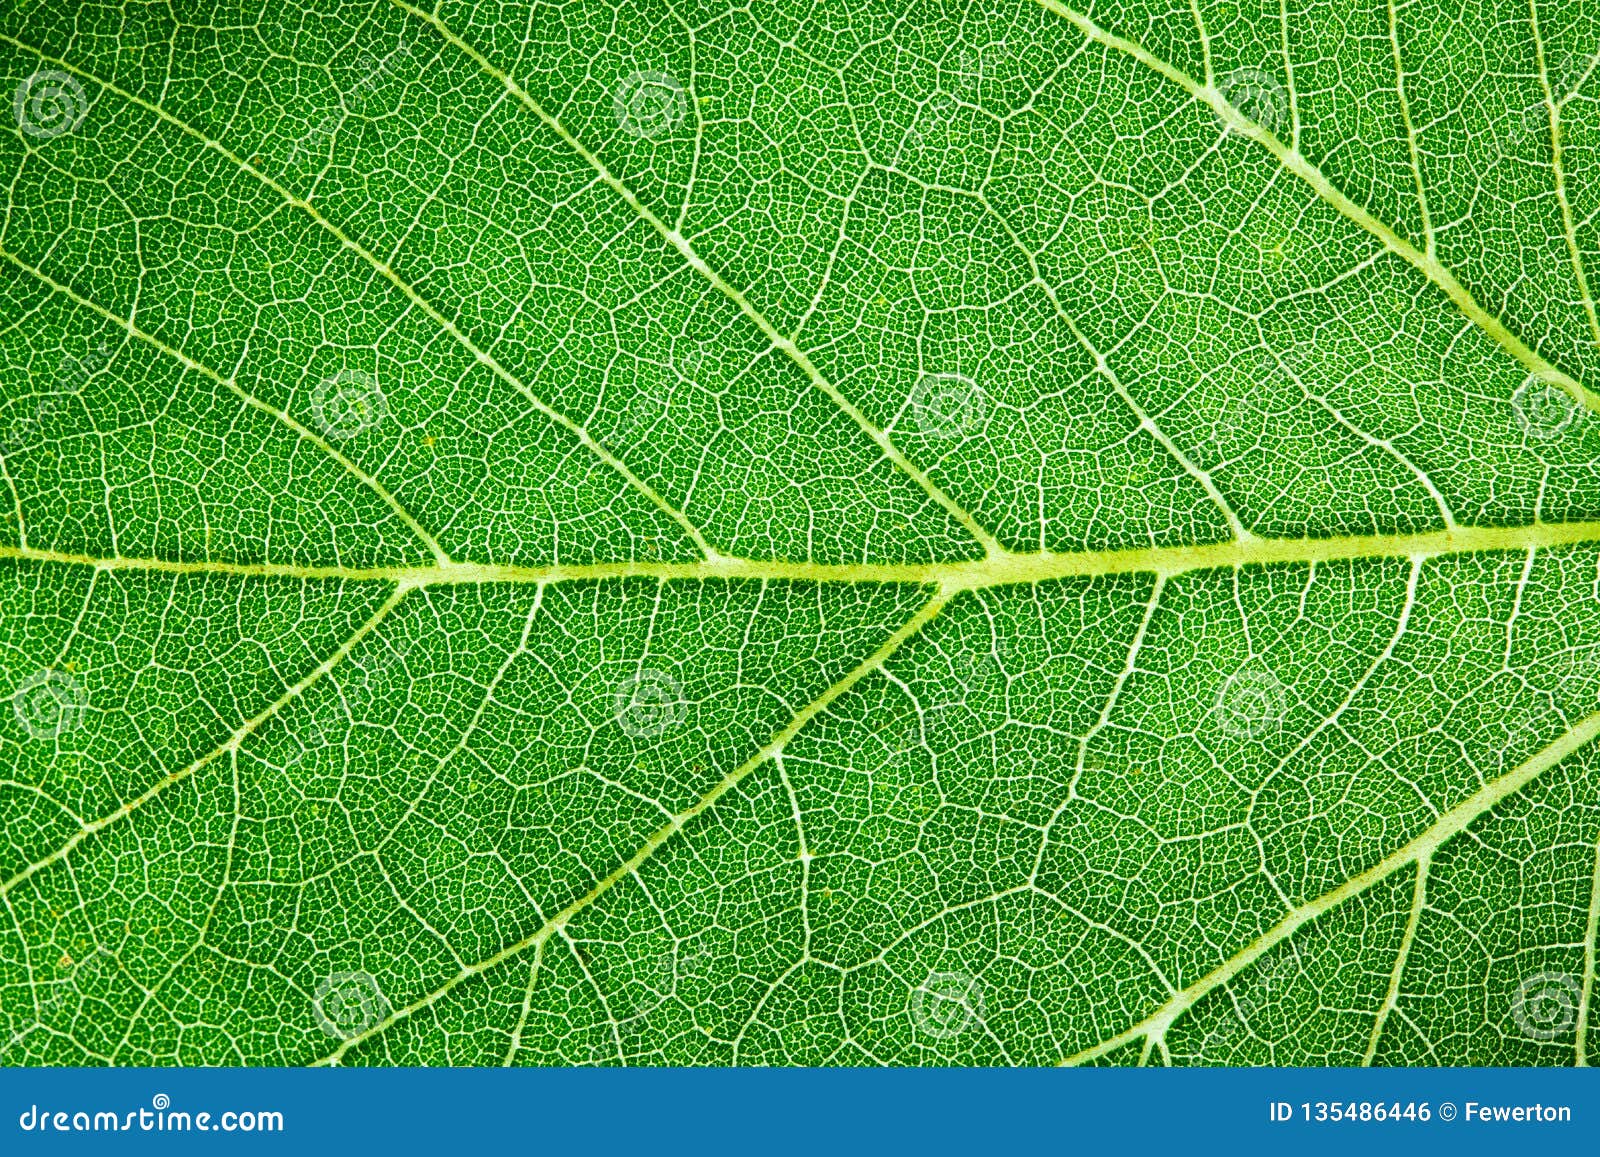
(557, 534)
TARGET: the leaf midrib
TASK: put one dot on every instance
(1006, 568)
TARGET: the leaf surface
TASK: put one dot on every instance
(555, 535)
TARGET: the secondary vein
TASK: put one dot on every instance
(1420, 848)
(1292, 160)
(557, 923)
(687, 251)
(249, 399)
(405, 288)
